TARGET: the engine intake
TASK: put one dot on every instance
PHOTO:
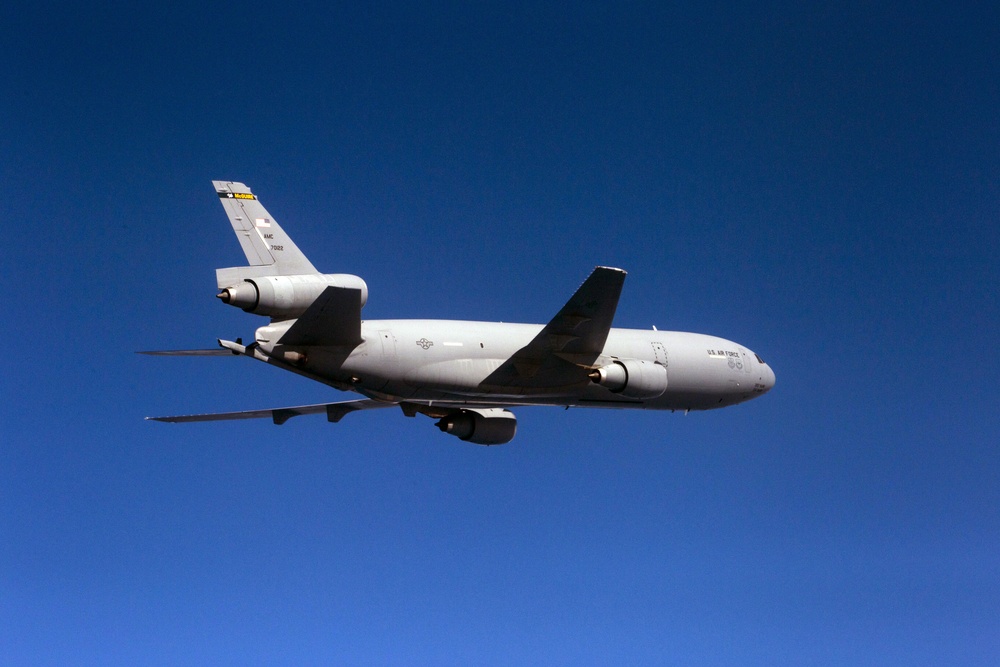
(634, 378)
(490, 426)
(286, 297)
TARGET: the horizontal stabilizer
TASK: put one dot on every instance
(214, 352)
(334, 412)
(333, 319)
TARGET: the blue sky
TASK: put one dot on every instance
(818, 183)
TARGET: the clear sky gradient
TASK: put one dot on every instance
(819, 183)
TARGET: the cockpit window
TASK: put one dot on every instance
(759, 360)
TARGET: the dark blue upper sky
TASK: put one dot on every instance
(819, 183)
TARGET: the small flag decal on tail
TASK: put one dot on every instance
(262, 222)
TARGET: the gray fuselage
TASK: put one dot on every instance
(447, 362)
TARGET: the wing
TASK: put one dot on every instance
(572, 339)
(334, 412)
(582, 325)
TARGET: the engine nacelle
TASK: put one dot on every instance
(633, 378)
(287, 297)
(490, 426)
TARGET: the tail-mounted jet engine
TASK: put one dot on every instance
(286, 297)
(633, 378)
(489, 426)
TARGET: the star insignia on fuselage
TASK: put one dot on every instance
(424, 343)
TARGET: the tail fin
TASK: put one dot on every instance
(269, 250)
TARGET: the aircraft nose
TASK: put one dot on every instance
(768, 378)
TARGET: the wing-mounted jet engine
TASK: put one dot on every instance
(634, 378)
(492, 426)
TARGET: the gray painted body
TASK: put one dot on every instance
(448, 361)
(464, 373)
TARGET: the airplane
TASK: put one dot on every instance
(464, 374)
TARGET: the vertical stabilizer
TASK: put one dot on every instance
(264, 242)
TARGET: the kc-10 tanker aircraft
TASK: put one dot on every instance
(465, 375)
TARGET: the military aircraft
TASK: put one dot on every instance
(466, 375)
